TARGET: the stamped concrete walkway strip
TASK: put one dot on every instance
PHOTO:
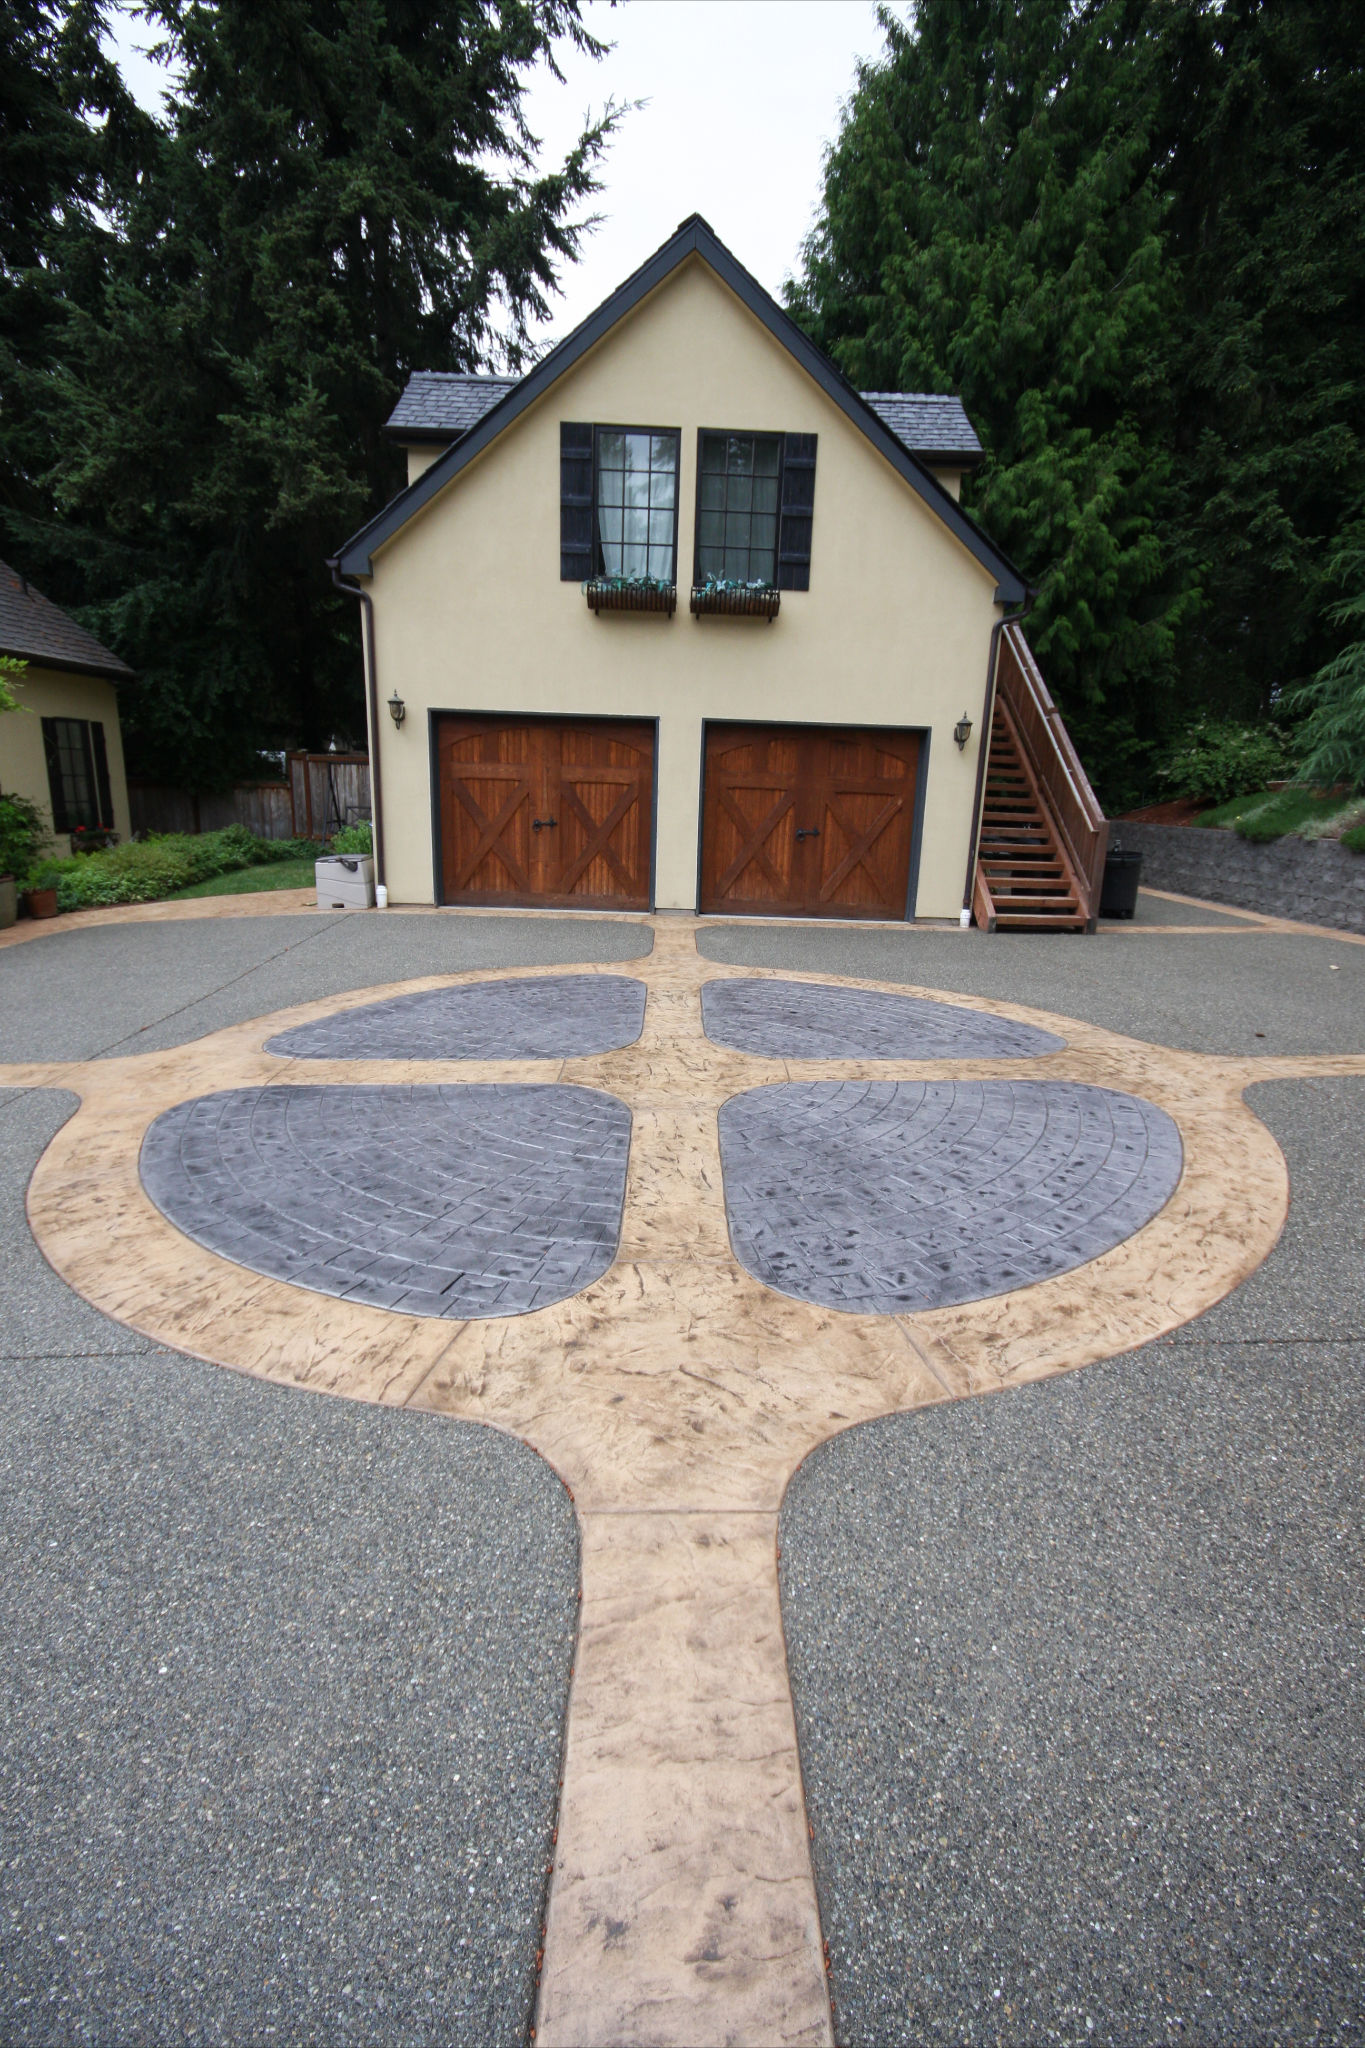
(675, 1395)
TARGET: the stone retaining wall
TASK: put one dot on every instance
(1312, 879)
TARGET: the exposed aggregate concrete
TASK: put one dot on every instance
(1078, 1672)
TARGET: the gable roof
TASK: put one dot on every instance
(693, 237)
(35, 629)
(440, 405)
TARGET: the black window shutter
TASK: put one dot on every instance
(798, 511)
(103, 793)
(56, 788)
(575, 502)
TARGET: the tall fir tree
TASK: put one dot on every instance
(64, 116)
(1263, 108)
(1127, 232)
(991, 225)
(343, 191)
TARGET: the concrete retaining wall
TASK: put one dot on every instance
(1312, 879)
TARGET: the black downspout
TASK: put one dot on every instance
(372, 715)
(987, 714)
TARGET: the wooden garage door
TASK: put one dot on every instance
(552, 811)
(812, 821)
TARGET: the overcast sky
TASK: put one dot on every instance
(744, 96)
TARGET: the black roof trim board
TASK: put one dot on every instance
(693, 237)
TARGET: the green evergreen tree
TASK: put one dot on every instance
(991, 225)
(64, 113)
(1128, 233)
(1260, 149)
(343, 191)
(1331, 739)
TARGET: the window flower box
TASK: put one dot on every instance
(736, 600)
(93, 838)
(630, 594)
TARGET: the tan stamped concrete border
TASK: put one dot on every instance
(675, 1396)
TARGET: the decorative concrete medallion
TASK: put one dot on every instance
(473, 1201)
(544, 1017)
(883, 1196)
(675, 1393)
(808, 1020)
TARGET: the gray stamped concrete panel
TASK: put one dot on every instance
(882, 1197)
(459, 1201)
(557, 1016)
(803, 1020)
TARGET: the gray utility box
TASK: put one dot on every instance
(345, 881)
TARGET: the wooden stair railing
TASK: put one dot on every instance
(1040, 855)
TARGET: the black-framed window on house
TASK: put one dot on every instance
(739, 493)
(77, 774)
(618, 501)
(636, 479)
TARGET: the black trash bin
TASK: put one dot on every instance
(1122, 873)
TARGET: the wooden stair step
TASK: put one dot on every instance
(1039, 924)
(1053, 906)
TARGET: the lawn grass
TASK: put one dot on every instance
(1273, 814)
(281, 874)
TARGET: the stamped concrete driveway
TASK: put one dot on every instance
(1078, 1669)
(1075, 1666)
(282, 1703)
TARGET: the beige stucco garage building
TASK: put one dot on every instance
(680, 619)
(63, 750)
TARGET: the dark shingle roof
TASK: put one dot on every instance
(929, 423)
(37, 630)
(440, 405)
(445, 403)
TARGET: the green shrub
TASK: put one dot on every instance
(144, 870)
(22, 832)
(1331, 740)
(1218, 758)
(268, 850)
(353, 839)
(1354, 840)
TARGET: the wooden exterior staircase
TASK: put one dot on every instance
(1043, 839)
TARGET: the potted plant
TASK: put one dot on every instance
(21, 834)
(630, 594)
(730, 597)
(41, 902)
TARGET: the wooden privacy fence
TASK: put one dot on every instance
(323, 793)
(329, 791)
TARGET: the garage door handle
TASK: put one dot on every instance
(539, 824)
(808, 832)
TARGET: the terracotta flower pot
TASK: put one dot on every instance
(42, 902)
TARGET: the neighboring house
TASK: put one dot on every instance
(680, 619)
(63, 751)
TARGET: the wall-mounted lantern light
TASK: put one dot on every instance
(962, 731)
(398, 710)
